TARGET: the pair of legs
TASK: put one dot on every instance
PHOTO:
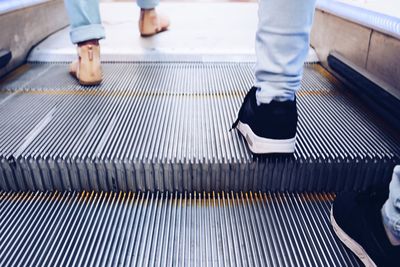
(267, 119)
(282, 39)
(87, 30)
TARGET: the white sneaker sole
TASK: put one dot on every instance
(352, 244)
(260, 145)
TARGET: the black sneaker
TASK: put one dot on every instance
(357, 221)
(267, 128)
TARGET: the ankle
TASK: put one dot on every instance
(89, 42)
(147, 12)
(147, 9)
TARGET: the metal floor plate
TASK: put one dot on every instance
(163, 229)
(164, 126)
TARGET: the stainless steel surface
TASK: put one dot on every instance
(164, 229)
(164, 126)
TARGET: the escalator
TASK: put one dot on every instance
(142, 170)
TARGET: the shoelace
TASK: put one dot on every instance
(234, 125)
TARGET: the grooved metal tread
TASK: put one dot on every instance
(164, 126)
(164, 229)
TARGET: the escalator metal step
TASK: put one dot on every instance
(163, 126)
(164, 229)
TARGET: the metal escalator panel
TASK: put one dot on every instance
(163, 126)
(164, 229)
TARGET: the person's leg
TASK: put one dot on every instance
(85, 20)
(391, 209)
(282, 42)
(150, 21)
(86, 30)
(268, 116)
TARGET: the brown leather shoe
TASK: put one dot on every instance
(87, 69)
(151, 23)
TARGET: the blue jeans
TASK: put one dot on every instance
(391, 208)
(85, 20)
(282, 42)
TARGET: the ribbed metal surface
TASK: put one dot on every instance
(48, 55)
(163, 229)
(164, 126)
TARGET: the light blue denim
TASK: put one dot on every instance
(282, 42)
(147, 4)
(391, 208)
(85, 19)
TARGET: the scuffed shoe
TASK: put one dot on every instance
(267, 128)
(87, 69)
(151, 23)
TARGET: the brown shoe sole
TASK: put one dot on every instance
(89, 83)
(151, 34)
(85, 83)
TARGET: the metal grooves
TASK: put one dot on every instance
(164, 127)
(164, 229)
(150, 57)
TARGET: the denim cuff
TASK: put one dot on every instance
(392, 223)
(87, 32)
(271, 91)
(147, 4)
